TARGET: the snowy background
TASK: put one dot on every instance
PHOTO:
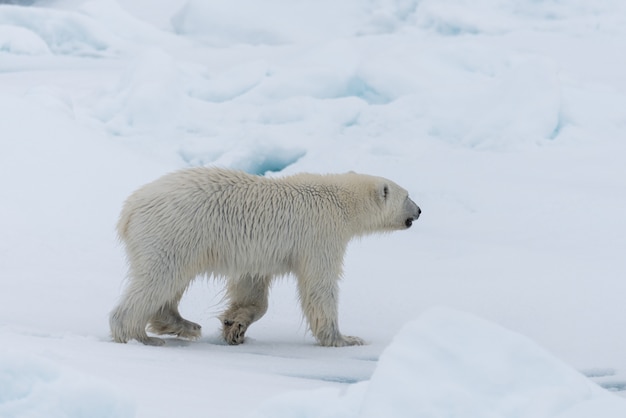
(505, 120)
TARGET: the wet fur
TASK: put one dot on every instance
(249, 230)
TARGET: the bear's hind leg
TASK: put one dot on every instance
(169, 321)
(144, 299)
(248, 303)
(128, 322)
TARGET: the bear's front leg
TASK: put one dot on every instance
(248, 302)
(235, 323)
(319, 298)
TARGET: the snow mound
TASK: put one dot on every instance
(275, 22)
(450, 364)
(63, 32)
(249, 156)
(17, 40)
(272, 22)
(148, 95)
(34, 387)
(497, 17)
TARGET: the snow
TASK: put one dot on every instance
(503, 120)
(33, 387)
(63, 32)
(452, 364)
(17, 40)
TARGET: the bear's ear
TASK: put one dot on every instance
(383, 192)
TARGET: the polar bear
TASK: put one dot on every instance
(250, 230)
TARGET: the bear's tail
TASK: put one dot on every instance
(122, 223)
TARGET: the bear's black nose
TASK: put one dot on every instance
(409, 221)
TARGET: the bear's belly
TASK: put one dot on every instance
(255, 260)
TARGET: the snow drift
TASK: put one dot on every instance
(31, 386)
(449, 364)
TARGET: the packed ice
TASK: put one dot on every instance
(504, 120)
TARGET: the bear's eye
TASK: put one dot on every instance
(385, 192)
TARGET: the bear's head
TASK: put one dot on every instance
(384, 206)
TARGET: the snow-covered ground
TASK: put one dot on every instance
(505, 121)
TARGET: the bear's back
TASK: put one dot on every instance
(234, 222)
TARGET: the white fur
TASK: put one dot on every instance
(249, 229)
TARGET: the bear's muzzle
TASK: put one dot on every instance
(415, 212)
